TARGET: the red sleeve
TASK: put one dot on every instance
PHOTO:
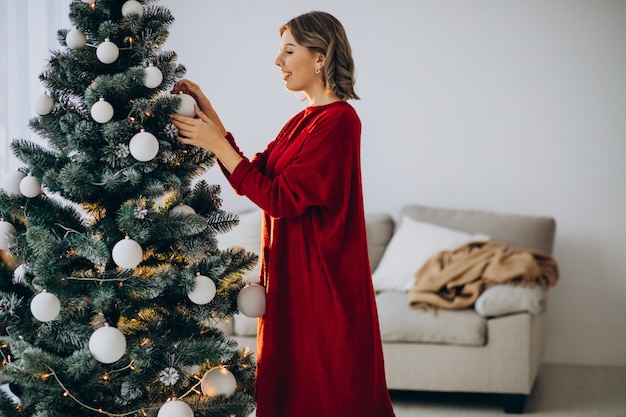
(258, 161)
(321, 170)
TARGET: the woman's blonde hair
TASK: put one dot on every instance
(323, 33)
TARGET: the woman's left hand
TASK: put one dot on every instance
(204, 133)
(201, 131)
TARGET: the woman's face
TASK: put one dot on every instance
(297, 64)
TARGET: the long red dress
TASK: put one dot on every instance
(319, 348)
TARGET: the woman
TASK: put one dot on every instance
(319, 349)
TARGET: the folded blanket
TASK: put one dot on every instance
(454, 279)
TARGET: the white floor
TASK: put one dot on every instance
(560, 391)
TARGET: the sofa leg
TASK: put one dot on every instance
(513, 403)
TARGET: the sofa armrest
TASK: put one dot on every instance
(379, 229)
(506, 299)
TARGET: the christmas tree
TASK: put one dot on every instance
(114, 303)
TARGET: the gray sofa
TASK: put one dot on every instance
(494, 347)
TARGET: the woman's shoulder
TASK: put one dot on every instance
(338, 110)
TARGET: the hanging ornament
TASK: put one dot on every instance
(127, 253)
(107, 52)
(102, 111)
(152, 76)
(218, 381)
(203, 290)
(7, 234)
(75, 39)
(175, 408)
(43, 104)
(11, 182)
(144, 146)
(251, 300)
(183, 208)
(45, 306)
(107, 344)
(132, 7)
(89, 1)
(30, 186)
(186, 106)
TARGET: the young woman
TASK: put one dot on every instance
(319, 348)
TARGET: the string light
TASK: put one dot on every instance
(66, 393)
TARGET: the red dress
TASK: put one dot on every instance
(319, 348)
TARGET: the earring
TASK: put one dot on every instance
(317, 70)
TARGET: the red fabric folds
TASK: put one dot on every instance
(319, 346)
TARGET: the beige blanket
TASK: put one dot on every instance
(454, 279)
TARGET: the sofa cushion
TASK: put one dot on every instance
(410, 247)
(401, 323)
(247, 234)
(529, 232)
(508, 299)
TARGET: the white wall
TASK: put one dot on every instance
(516, 106)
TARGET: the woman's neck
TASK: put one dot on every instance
(321, 97)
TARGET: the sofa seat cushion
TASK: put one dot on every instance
(401, 323)
(411, 246)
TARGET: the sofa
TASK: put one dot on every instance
(493, 347)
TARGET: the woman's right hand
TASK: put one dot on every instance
(204, 104)
(191, 88)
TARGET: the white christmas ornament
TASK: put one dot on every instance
(7, 234)
(186, 106)
(89, 1)
(30, 186)
(203, 290)
(107, 52)
(251, 300)
(143, 146)
(183, 208)
(75, 39)
(45, 306)
(102, 111)
(107, 344)
(11, 182)
(43, 104)
(127, 253)
(175, 408)
(152, 77)
(132, 7)
(218, 381)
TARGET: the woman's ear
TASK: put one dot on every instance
(321, 59)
